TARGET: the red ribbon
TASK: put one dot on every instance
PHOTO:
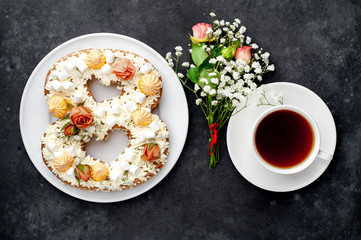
(213, 143)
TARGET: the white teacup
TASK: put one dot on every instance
(314, 153)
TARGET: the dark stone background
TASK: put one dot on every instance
(313, 43)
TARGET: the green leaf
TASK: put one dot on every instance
(77, 179)
(65, 125)
(236, 44)
(216, 52)
(198, 54)
(74, 130)
(66, 116)
(193, 74)
(82, 103)
(80, 167)
(205, 74)
(206, 65)
(69, 105)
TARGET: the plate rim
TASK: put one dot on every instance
(313, 177)
(26, 91)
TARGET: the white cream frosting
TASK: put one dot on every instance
(128, 166)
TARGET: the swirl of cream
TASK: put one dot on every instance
(149, 84)
(142, 117)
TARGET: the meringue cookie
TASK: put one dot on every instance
(63, 162)
(141, 117)
(99, 172)
(57, 106)
(95, 59)
(150, 84)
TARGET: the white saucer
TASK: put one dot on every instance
(240, 144)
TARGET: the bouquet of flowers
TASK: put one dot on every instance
(226, 69)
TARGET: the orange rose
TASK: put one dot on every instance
(123, 69)
(151, 153)
(81, 117)
(69, 130)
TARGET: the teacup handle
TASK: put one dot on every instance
(324, 156)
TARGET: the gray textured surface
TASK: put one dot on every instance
(313, 43)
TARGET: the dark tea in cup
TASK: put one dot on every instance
(284, 138)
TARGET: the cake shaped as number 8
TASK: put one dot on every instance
(81, 117)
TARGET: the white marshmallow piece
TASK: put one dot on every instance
(58, 154)
(129, 155)
(70, 172)
(109, 57)
(154, 126)
(141, 137)
(71, 151)
(132, 106)
(116, 108)
(81, 65)
(111, 121)
(149, 135)
(140, 97)
(124, 165)
(68, 85)
(77, 97)
(146, 109)
(115, 175)
(69, 66)
(51, 146)
(63, 75)
(146, 135)
(56, 85)
(134, 169)
(106, 69)
(146, 68)
(115, 165)
(100, 111)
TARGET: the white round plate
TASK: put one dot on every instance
(239, 139)
(34, 116)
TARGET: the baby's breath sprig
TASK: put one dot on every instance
(226, 68)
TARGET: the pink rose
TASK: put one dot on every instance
(244, 53)
(199, 32)
(123, 69)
